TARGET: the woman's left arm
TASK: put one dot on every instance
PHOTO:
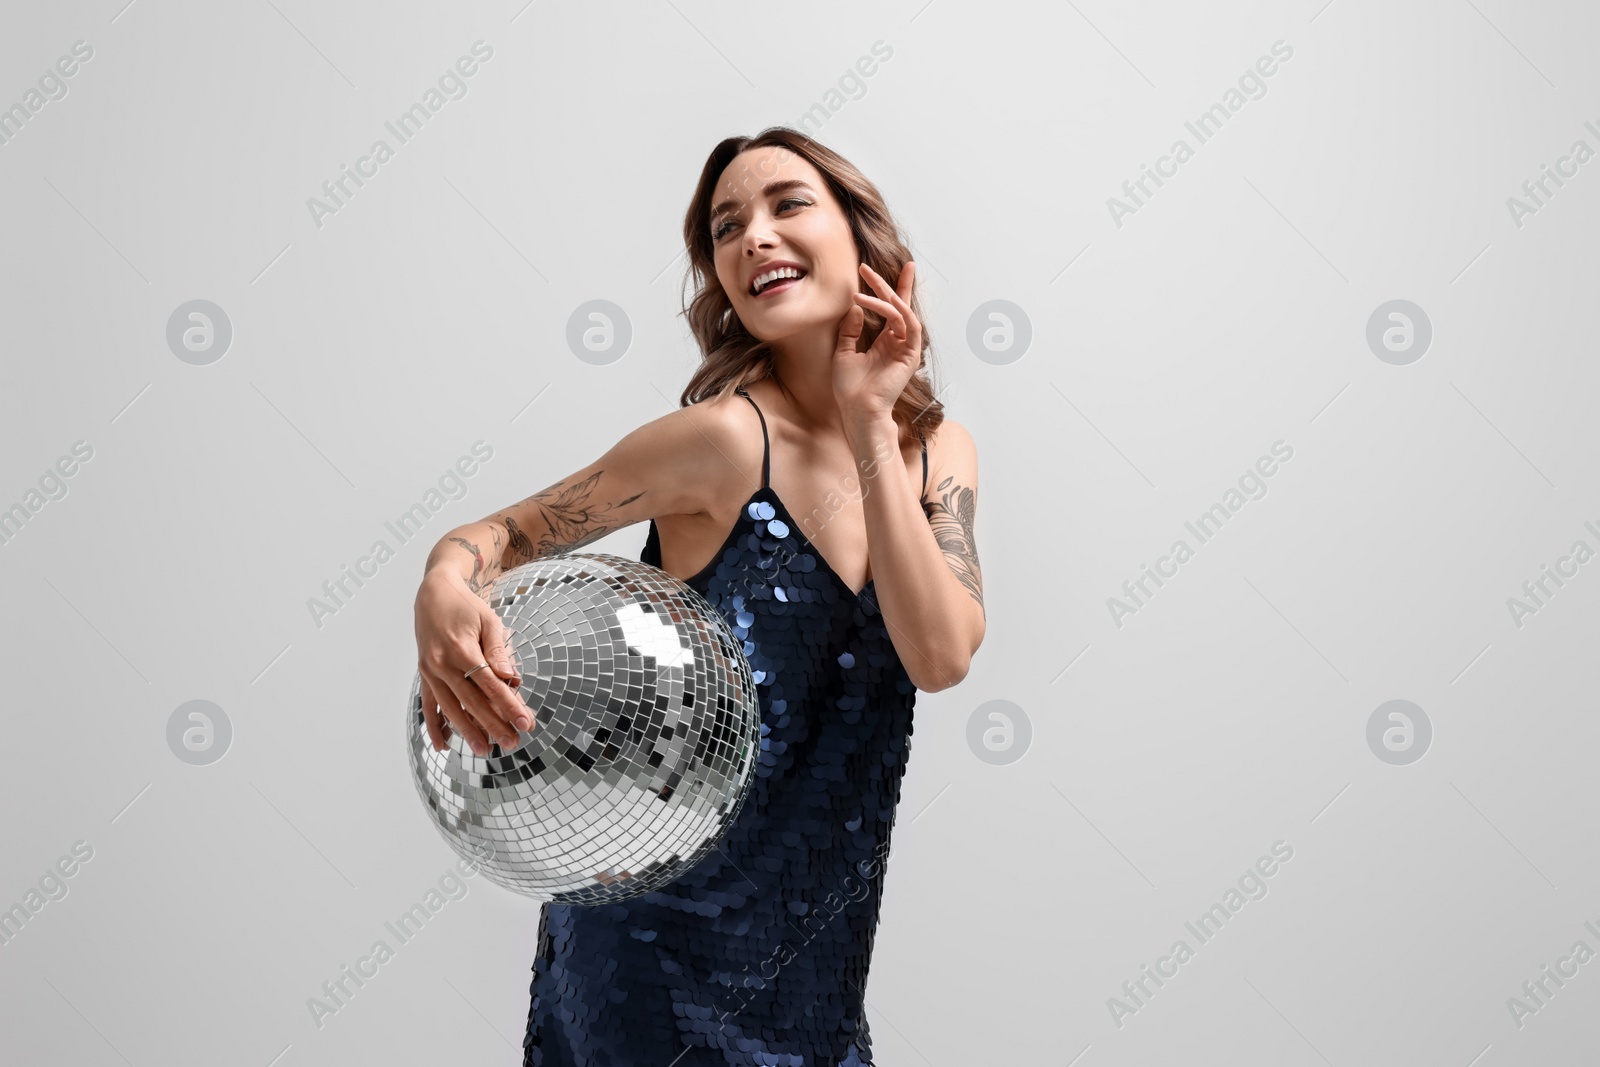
(924, 554)
(924, 559)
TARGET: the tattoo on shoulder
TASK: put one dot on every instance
(952, 517)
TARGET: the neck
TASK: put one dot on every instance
(804, 366)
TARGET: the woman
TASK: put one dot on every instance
(851, 597)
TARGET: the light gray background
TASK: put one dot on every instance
(1167, 754)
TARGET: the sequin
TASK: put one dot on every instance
(759, 953)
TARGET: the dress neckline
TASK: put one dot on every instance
(766, 492)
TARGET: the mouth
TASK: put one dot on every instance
(773, 282)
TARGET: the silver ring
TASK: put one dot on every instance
(474, 670)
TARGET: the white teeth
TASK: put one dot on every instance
(762, 280)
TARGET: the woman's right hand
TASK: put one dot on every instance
(456, 631)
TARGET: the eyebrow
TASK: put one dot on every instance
(780, 186)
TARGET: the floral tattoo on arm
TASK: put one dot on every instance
(476, 581)
(572, 516)
(952, 517)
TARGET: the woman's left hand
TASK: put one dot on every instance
(867, 384)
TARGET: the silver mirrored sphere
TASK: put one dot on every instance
(647, 732)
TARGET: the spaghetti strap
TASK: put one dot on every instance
(766, 445)
(924, 462)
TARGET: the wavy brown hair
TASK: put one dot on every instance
(731, 356)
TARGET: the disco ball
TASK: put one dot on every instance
(647, 732)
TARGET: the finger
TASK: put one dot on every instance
(875, 280)
(850, 328)
(463, 723)
(430, 716)
(505, 664)
(496, 727)
(472, 708)
(891, 314)
(501, 683)
(457, 718)
(496, 639)
(452, 718)
(489, 701)
(883, 289)
(911, 328)
(506, 704)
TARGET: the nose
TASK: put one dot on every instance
(757, 236)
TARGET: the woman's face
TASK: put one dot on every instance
(771, 207)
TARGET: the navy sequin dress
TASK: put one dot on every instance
(758, 954)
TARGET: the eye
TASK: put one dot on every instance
(717, 233)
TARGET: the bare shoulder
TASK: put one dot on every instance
(688, 462)
(700, 456)
(950, 431)
(952, 460)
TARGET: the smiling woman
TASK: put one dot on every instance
(813, 379)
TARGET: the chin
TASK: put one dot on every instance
(782, 325)
(778, 324)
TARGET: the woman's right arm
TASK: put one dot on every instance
(677, 464)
